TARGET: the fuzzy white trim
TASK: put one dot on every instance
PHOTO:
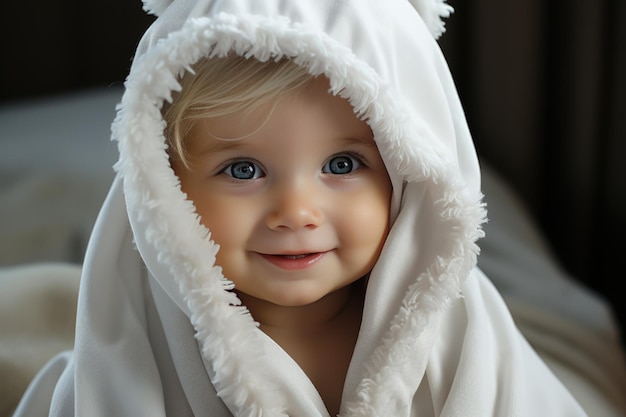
(227, 334)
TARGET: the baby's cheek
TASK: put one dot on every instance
(370, 216)
(366, 231)
(223, 233)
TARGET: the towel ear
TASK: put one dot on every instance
(155, 7)
(432, 13)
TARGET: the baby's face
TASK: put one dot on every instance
(298, 202)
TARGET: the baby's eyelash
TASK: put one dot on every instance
(225, 164)
(356, 155)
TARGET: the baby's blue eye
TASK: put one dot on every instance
(341, 165)
(243, 170)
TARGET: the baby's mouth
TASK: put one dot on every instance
(300, 256)
(294, 261)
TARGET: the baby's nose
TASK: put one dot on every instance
(295, 207)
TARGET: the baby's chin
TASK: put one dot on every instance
(308, 300)
(285, 300)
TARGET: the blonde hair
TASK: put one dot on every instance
(222, 86)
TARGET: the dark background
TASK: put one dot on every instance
(543, 84)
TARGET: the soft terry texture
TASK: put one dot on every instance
(158, 331)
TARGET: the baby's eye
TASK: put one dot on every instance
(341, 165)
(243, 170)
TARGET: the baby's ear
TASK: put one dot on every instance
(432, 13)
(155, 7)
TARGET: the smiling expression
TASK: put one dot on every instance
(295, 193)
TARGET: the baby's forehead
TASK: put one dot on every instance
(315, 122)
(252, 113)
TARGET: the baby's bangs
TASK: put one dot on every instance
(221, 86)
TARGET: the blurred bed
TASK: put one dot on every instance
(55, 170)
(56, 167)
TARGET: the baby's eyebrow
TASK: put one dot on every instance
(215, 144)
(358, 140)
